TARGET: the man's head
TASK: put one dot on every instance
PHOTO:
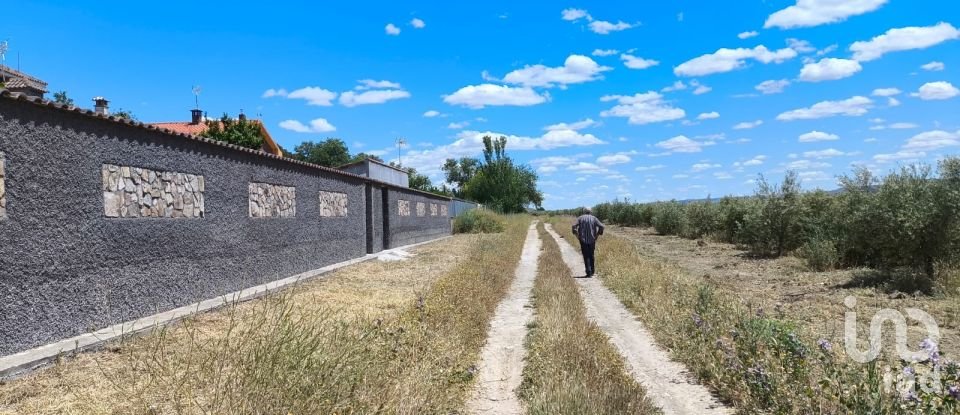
(587, 211)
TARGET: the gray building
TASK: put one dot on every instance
(379, 171)
(16, 81)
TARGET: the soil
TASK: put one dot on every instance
(669, 384)
(787, 288)
(501, 360)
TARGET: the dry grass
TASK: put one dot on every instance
(395, 337)
(571, 367)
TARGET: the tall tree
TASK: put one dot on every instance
(331, 152)
(500, 184)
(362, 156)
(459, 172)
(61, 97)
(241, 132)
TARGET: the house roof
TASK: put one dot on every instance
(17, 79)
(186, 127)
(374, 161)
(20, 97)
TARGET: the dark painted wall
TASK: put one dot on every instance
(66, 269)
(404, 230)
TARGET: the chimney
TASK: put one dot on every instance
(196, 116)
(101, 106)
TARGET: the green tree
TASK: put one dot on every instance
(459, 172)
(774, 226)
(241, 132)
(124, 114)
(362, 156)
(61, 97)
(331, 152)
(500, 184)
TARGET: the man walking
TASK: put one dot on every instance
(588, 228)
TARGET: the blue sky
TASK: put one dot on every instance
(647, 100)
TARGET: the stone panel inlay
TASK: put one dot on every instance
(134, 192)
(433, 209)
(403, 207)
(272, 200)
(421, 209)
(333, 204)
(3, 189)
(443, 210)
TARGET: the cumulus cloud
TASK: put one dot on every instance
(936, 91)
(815, 136)
(576, 69)
(432, 113)
(933, 140)
(270, 93)
(851, 107)
(682, 144)
(318, 125)
(726, 60)
(886, 92)
(605, 52)
(650, 168)
(366, 84)
(699, 167)
(708, 115)
(618, 158)
(699, 89)
(597, 26)
(747, 35)
(572, 14)
(634, 62)
(906, 38)
(417, 23)
(808, 13)
(823, 154)
(353, 99)
(314, 96)
(642, 109)
(899, 156)
(772, 86)
(755, 161)
(829, 69)
(933, 66)
(746, 125)
(577, 126)
(458, 125)
(479, 96)
(806, 165)
(677, 86)
(391, 29)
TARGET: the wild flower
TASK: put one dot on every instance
(825, 345)
(697, 320)
(908, 371)
(954, 391)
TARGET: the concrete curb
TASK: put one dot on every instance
(24, 362)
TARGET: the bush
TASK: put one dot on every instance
(669, 218)
(820, 253)
(477, 221)
(732, 216)
(773, 228)
(703, 219)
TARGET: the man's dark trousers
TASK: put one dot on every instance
(587, 250)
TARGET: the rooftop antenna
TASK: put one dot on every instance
(4, 46)
(400, 143)
(196, 95)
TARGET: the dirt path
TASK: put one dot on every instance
(668, 384)
(501, 360)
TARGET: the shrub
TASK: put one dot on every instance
(703, 219)
(820, 253)
(732, 216)
(669, 218)
(774, 227)
(477, 221)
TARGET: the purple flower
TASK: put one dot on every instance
(909, 371)
(954, 391)
(697, 320)
(929, 346)
(911, 396)
(825, 345)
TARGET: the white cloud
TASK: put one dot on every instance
(746, 125)
(934, 66)
(756, 161)
(577, 126)
(650, 168)
(799, 45)
(634, 62)
(611, 159)
(417, 23)
(432, 113)
(806, 165)
(479, 96)
(772, 86)
(905, 38)
(642, 108)
(722, 175)
(822, 154)
(458, 125)
(900, 155)
(936, 91)
(886, 92)
(851, 107)
(603, 27)
(274, 93)
(576, 69)
(366, 84)
(682, 144)
(747, 35)
(902, 126)
(391, 29)
(379, 96)
(572, 14)
(605, 52)
(708, 115)
(933, 140)
(588, 168)
(699, 167)
(726, 60)
(829, 69)
(815, 136)
(808, 13)
(699, 89)
(318, 125)
(677, 86)
(314, 96)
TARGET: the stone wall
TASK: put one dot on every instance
(333, 204)
(433, 209)
(135, 192)
(403, 207)
(405, 227)
(421, 209)
(272, 201)
(3, 189)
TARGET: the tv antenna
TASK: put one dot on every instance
(4, 47)
(196, 95)
(400, 143)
